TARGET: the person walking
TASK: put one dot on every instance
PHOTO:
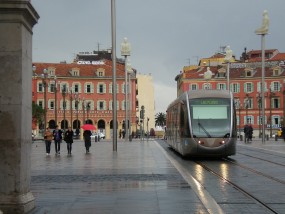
(250, 132)
(283, 132)
(57, 136)
(68, 138)
(246, 130)
(87, 139)
(48, 138)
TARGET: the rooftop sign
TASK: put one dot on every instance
(81, 62)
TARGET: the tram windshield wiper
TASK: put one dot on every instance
(202, 127)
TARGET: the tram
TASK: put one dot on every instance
(202, 123)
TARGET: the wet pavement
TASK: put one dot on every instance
(138, 178)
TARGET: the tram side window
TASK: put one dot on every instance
(184, 123)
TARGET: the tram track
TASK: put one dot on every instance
(238, 187)
(255, 171)
(251, 156)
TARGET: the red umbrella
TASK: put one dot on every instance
(88, 127)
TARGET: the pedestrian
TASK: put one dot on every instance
(87, 139)
(250, 132)
(68, 138)
(245, 130)
(48, 138)
(283, 133)
(123, 134)
(77, 132)
(57, 137)
(120, 134)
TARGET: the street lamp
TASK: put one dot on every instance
(258, 98)
(114, 82)
(55, 101)
(126, 51)
(238, 106)
(262, 31)
(71, 99)
(44, 81)
(246, 105)
(77, 100)
(228, 57)
(88, 109)
(64, 104)
(83, 108)
(271, 94)
(130, 72)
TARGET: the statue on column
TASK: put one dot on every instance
(125, 48)
(265, 24)
(229, 54)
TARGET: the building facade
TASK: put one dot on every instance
(82, 92)
(245, 84)
(145, 97)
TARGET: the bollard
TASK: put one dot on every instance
(96, 139)
(130, 138)
(267, 137)
(276, 137)
(240, 137)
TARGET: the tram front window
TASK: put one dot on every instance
(210, 117)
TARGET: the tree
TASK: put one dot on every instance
(160, 119)
(37, 113)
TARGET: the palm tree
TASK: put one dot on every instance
(160, 119)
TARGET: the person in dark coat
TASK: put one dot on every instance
(68, 138)
(57, 137)
(87, 139)
(283, 132)
(250, 132)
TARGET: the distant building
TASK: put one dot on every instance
(245, 83)
(145, 97)
(81, 92)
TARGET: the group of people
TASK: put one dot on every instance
(56, 136)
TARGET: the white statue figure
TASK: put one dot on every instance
(265, 24)
(229, 54)
(125, 48)
(208, 74)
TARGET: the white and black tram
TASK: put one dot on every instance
(202, 123)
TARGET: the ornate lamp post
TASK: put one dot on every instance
(77, 100)
(246, 105)
(262, 31)
(83, 108)
(44, 81)
(258, 98)
(271, 94)
(238, 106)
(55, 100)
(64, 105)
(126, 51)
(71, 113)
(130, 72)
(88, 109)
(114, 62)
(228, 57)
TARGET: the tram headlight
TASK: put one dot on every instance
(222, 142)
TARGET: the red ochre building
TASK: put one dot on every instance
(88, 95)
(245, 83)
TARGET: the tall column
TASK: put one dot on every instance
(17, 19)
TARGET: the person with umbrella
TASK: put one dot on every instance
(87, 135)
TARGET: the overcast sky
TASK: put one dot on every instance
(165, 35)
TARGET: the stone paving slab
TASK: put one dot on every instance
(137, 178)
